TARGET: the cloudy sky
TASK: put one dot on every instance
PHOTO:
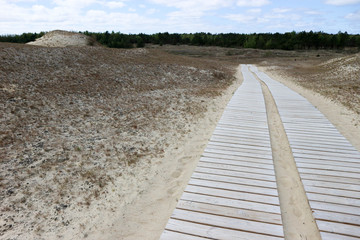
(180, 16)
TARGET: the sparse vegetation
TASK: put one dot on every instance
(74, 121)
(336, 77)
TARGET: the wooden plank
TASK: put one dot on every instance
(328, 147)
(332, 185)
(229, 223)
(261, 207)
(247, 135)
(230, 212)
(170, 235)
(249, 182)
(331, 135)
(310, 143)
(340, 228)
(234, 187)
(254, 133)
(330, 173)
(215, 159)
(226, 166)
(324, 152)
(241, 146)
(334, 192)
(329, 162)
(232, 173)
(333, 199)
(316, 139)
(213, 232)
(332, 207)
(335, 179)
(232, 194)
(243, 140)
(242, 125)
(238, 156)
(324, 157)
(337, 217)
(333, 236)
(238, 152)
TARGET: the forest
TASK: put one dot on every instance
(285, 41)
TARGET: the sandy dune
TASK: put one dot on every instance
(60, 38)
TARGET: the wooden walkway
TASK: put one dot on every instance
(232, 194)
(328, 164)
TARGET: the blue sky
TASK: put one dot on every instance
(180, 16)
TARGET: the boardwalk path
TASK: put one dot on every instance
(328, 164)
(233, 193)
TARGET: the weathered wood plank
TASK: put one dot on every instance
(232, 186)
(261, 207)
(249, 182)
(231, 212)
(232, 173)
(345, 229)
(334, 236)
(212, 232)
(232, 194)
(229, 223)
(225, 166)
(170, 235)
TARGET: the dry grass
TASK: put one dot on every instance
(333, 74)
(336, 77)
(74, 119)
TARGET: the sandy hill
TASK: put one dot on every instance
(59, 38)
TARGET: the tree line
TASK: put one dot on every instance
(286, 41)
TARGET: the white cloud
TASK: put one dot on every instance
(254, 10)
(70, 15)
(252, 3)
(114, 4)
(342, 2)
(311, 12)
(353, 16)
(189, 12)
(75, 4)
(281, 10)
(185, 15)
(199, 5)
(241, 18)
(151, 11)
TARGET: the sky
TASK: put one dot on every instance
(180, 16)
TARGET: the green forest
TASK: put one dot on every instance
(286, 41)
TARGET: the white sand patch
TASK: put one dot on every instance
(60, 38)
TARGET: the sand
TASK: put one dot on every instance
(296, 214)
(59, 38)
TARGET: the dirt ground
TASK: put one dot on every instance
(89, 134)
